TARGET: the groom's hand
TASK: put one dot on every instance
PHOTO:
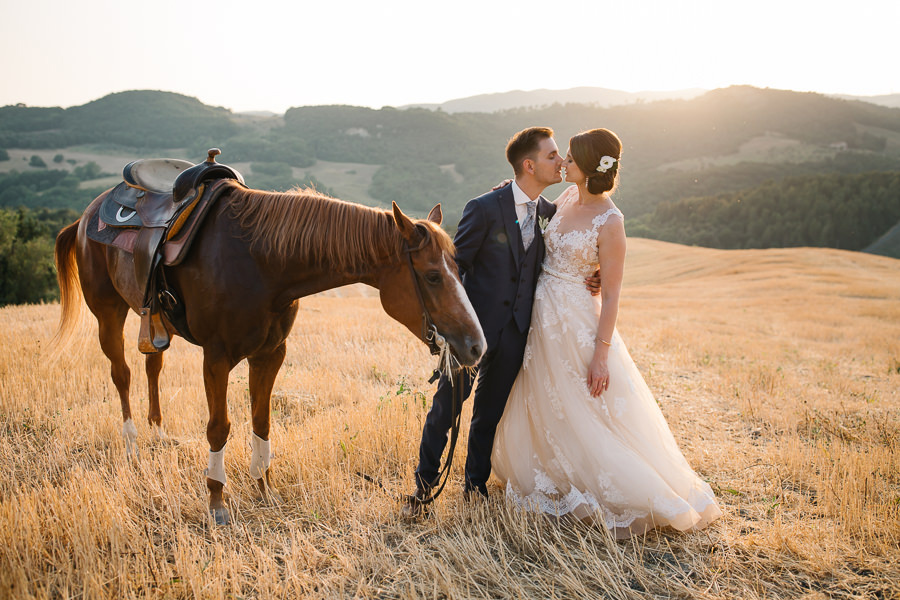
(592, 283)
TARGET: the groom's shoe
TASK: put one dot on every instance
(474, 493)
(413, 508)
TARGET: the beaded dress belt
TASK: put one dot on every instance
(561, 275)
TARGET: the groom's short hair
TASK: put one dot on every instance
(524, 145)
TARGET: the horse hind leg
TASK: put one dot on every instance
(110, 309)
(215, 380)
(263, 370)
(111, 321)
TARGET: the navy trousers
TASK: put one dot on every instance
(496, 373)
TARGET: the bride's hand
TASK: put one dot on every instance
(503, 183)
(598, 377)
(592, 283)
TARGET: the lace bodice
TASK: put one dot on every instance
(571, 238)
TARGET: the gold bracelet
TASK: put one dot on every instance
(601, 340)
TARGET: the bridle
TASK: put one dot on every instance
(438, 345)
(430, 335)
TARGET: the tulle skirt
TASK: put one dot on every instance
(611, 459)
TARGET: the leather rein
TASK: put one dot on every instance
(438, 346)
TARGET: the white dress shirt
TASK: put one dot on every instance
(521, 198)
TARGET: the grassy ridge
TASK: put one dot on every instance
(778, 371)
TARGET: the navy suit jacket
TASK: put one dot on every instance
(491, 260)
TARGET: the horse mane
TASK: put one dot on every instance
(326, 232)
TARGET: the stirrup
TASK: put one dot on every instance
(153, 336)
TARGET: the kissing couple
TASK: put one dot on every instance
(560, 412)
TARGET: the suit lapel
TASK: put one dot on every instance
(545, 208)
(508, 210)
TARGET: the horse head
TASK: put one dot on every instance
(424, 288)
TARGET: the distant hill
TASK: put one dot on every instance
(140, 119)
(839, 211)
(889, 100)
(726, 141)
(595, 96)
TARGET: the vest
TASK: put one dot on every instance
(527, 280)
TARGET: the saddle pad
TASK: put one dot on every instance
(118, 208)
(98, 231)
(154, 174)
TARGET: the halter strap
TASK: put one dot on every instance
(429, 331)
(437, 345)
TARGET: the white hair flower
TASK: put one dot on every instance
(606, 163)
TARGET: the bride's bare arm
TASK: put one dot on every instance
(611, 244)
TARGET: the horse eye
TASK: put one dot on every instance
(433, 277)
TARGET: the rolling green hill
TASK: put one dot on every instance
(137, 119)
(736, 150)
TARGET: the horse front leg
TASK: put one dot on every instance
(263, 370)
(153, 364)
(215, 380)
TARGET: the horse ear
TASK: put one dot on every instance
(436, 216)
(404, 224)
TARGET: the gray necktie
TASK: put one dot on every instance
(528, 224)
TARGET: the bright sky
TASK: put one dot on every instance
(274, 54)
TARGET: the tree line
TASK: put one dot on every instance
(836, 211)
(27, 272)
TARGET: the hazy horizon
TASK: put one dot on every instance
(280, 54)
(435, 103)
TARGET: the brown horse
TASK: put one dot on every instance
(254, 256)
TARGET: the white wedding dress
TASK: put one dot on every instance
(558, 450)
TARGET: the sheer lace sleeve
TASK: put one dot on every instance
(566, 195)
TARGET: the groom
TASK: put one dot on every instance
(499, 250)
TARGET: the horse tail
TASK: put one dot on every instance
(69, 285)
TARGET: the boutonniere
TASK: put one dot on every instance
(543, 223)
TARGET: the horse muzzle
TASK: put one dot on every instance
(469, 349)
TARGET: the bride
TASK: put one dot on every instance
(582, 433)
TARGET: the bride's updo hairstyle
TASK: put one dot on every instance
(588, 149)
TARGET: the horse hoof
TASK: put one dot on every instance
(131, 452)
(159, 434)
(271, 496)
(267, 493)
(220, 516)
(129, 433)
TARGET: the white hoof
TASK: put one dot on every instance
(129, 432)
(159, 434)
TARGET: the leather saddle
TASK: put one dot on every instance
(155, 214)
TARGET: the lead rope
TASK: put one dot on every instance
(450, 367)
(445, 361)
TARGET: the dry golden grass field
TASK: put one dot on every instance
(778, 371)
